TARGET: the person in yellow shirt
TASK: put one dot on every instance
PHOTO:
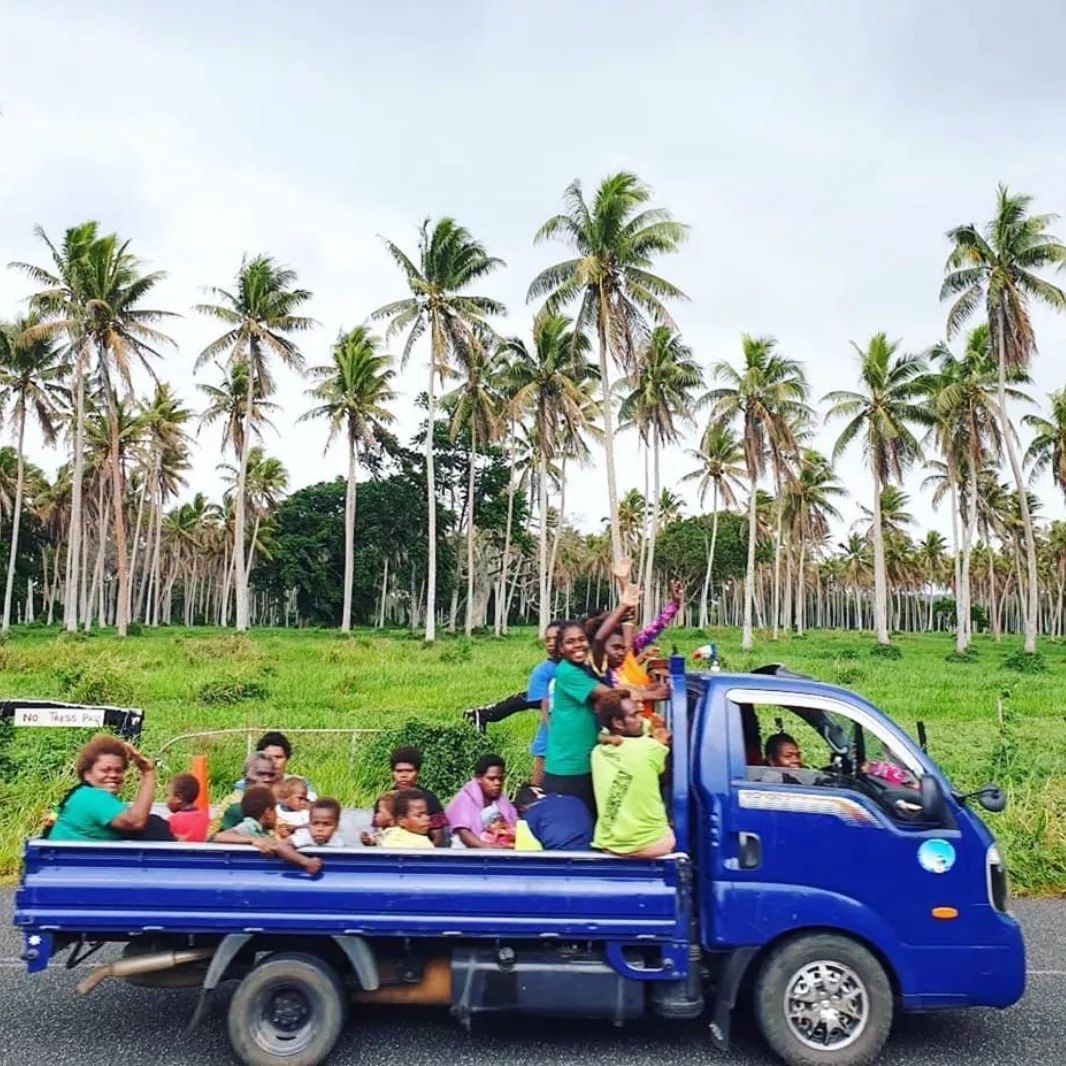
(631, 817)
(410, 811)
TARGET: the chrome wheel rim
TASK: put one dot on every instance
(826, 1005)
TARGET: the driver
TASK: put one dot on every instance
(783, 752)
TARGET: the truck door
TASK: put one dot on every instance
(828, 835)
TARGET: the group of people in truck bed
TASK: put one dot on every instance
(599, 757)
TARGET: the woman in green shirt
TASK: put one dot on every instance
(574, 729)
(92, 809)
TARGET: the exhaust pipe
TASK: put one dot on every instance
(140, 964)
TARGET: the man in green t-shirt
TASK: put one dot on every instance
(631, 817)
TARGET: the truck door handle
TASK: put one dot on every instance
(750, 853)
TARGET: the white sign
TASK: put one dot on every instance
(72, 717)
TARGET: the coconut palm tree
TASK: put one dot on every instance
(550, 385)
(932, 559)
(31, 372)
(720, 470)
(476, 407)
(166, 458)
(449, 261)
(658, 398)
(227, 403)
(1000, 267)
(767, 395)
(260, 318)
(616, 240)
(855, 566)
(882, 415)
(352, 393)
(807, 507)
(965, 406)
(1048, 448)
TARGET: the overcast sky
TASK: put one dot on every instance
(819, 152)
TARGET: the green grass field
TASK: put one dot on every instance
(208, 680)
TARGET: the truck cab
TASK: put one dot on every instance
(840, 885)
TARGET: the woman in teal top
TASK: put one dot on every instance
(92, 809)
(574, 729)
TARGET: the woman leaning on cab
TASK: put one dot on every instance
(92, 810)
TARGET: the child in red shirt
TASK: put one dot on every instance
(187, 821)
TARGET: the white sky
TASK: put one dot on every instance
(819, 152)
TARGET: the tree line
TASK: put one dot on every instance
(507, 420)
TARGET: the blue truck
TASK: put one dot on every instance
(832, 894)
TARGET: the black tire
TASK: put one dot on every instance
(289, 1010)
(866, 991)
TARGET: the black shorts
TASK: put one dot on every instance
(579, 785)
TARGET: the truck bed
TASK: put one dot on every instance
(118, 889)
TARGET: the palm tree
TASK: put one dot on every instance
(61, 304)
(550, 384)
(882, 414)
(122, 334)
(963, 392)
(449, 261)
(807, 507)
(721, 468)
(31, 369)
(616, 241)
(476, 407)
(768, 396)
(855, 569)
(1048, 448)
(227, 403)
(166, 459)
(352, 394)
(1000, 266)
(260, 316)
(659, 395)
(932, 558)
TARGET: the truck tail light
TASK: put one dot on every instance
(998, 891)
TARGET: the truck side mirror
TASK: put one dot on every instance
(992, 798)
(934, 806)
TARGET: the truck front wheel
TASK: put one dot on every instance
(289, 1010)
(824, 1000)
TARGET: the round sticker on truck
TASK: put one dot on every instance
(936, 856)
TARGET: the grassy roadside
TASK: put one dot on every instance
(200, 680)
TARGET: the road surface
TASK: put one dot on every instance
(43, 1023)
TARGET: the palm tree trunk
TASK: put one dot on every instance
(778, 524)
(608, 436)
(969, 528)
(801, 604)
(747, 641)
(118, 500)
(157, 555)
(558, 528)
(880, 576)
(136, 544)
(705, 617)
(74, 551)
(1028, 603)
(543, 606)
(469, 624)
(384, 593)
(500, 627)
(431, 494)
(16, 517)
(653, 531)
(240, 574)
(349, 536)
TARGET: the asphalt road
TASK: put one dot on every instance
(43, 1023)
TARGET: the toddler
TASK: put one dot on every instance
(187, 821)
(494, 828)
(323, 821)
(383, 819)
(259, 817)
(410, 811)
(293, 804)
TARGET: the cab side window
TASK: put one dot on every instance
(779, 746)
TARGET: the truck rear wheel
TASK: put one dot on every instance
(824, 1000)
(289, 1010)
